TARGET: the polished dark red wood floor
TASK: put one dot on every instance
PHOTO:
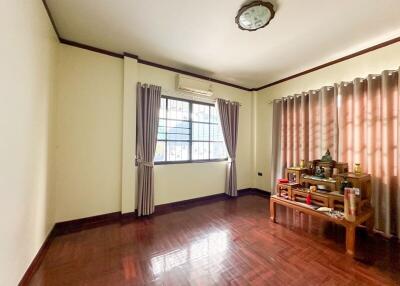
(230, 242)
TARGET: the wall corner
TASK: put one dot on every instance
(128, 185)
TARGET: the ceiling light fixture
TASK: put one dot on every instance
(255, 15)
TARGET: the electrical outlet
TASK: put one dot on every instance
(259, 174)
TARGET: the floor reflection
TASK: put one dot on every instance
(215, 243)
(229, 242)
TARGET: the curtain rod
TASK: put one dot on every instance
(230, 101)
(188, 96)
(298, 95)
(374, 76)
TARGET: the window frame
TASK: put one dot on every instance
(191, 102)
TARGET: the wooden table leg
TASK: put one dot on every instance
(272, 210)
(370, 224)
(350, 239)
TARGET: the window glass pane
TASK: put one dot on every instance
(200, 151)
(162, 123)
(214, 116)
(161, 130)
(177, 136)
(163, 108)
(177, 151)
(217, 150)
(178, 109)
(177, 124)
(200, 131)
(216, 133)
(160, 152)
(200, 112)
(178, 130)
(161, 136)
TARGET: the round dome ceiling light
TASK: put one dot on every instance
(255, 15)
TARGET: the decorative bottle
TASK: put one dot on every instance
(357, 169)
(308, 199)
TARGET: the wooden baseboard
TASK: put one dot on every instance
(127, 217)
(185, 204)
(253, 191)
(85, 223)
(165, 208)
(37, 260)
(76, 225)
(170, 207)
(262, 193)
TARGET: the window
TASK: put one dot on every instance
(188, 132)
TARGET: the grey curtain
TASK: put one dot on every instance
(229, 117)
(147, 114)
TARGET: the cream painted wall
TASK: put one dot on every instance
(95, 138)
(370, 63)
(88, 134)
(27, 66)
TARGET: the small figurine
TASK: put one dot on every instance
(327, 157)
(308, 199)
(344, 184)
(319, 172)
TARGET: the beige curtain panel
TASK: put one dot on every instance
(147, 114)
(360, 124)
(369, 134)
(304, 127)
(229, 117)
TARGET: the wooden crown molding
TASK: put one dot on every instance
(51, 18)
(193, 74)
(90, 48)
(149, 63)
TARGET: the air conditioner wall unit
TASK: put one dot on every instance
(194, 85)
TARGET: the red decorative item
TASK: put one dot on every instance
(283, 181)
(308, 199)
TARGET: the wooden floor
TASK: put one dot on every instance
(230, 242)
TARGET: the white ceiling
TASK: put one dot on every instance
(202, 37)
